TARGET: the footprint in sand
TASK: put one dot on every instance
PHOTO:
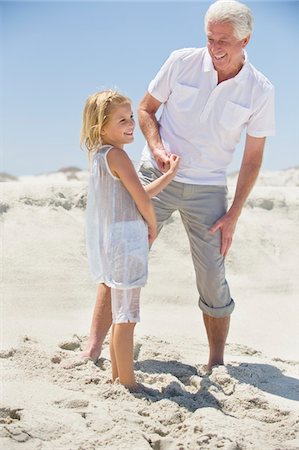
(56, 359)
(76, 360)
(9, 415)
(238, 349)
(72, 404)
(7, 353)
(70, 345)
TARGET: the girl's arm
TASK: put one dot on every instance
(160, 183)
(122, 167)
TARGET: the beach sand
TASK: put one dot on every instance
(51, 400)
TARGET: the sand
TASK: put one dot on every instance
(52, 400)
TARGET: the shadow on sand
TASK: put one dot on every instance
(265, 377)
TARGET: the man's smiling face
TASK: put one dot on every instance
(225, 49)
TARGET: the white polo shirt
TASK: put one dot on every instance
(202, 121)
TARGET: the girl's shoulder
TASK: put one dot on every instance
(109, 158)
(101, 150)
(117, 155)
(99, 156)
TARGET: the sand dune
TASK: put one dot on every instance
(50, 400)
(286, 177)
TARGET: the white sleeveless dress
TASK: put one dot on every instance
(116, 233)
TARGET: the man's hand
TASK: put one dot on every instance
(227, 225)
(251, 163)
(162, 159)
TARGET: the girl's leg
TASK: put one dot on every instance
(101, 322)
(112, 356)
(125, 311)
(123, 351)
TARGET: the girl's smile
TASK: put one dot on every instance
(119, 129)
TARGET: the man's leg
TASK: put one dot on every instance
(101, 322)
(217, 331)
(204, 205)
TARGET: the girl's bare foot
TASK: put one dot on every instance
(140, 388)
(91, 354)
(134, 388)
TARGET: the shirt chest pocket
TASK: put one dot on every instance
(234, 116)
(183, 97)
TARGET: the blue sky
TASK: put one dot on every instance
(54, 54)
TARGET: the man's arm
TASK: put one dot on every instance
(250, 167)
(150, 128)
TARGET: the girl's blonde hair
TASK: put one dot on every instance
(96, 114)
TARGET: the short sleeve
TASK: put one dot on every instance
(262, 121)
(161, 86)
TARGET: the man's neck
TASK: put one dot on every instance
(223, 76)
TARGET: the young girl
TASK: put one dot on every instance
(120, 223)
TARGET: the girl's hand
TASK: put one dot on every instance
(174, 161)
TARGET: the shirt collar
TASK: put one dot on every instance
(207, 62)
(208, 66)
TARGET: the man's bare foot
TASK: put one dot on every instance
(215, 363)
(203, 370)
(206, 369)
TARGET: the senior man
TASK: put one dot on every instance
(209, 96)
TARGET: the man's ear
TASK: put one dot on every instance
(245, 41)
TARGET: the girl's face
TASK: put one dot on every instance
(119, 129)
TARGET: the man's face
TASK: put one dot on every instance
(225, 49)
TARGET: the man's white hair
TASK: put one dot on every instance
(233, 12)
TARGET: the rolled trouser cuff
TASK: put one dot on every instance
(218, 312)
